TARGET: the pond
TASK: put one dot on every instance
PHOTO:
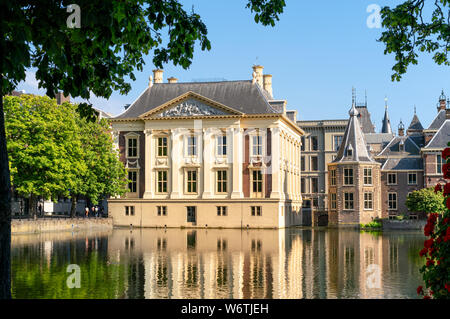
(217, 263)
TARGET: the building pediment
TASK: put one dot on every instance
(188, 105)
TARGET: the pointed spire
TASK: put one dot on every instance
(415, 125)
(386, 128)
(353, 147)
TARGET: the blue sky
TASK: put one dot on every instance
(316, 53)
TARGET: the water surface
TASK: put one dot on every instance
(183, 263)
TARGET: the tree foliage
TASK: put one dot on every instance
(416, 26)
(425, 200)
(55, 152)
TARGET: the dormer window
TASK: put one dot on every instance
(401, 147)
(349, 152)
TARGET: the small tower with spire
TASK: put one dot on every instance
(415, 126)
(401, 129)
(442, 102)
(386, 128)
(354, 179)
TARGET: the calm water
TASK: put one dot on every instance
(180, 263)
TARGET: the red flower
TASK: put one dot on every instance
(446, 170)
(446, 153)
(428, 243)
(446, 219)
(447, 286)
(423, 252)
(447, 189)
(447, 202)
(426, 297)
(420, 290)
(437, 188)
(430, 262)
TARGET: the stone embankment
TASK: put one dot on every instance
(41, 225)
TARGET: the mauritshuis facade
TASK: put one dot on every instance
(213, 154)
(227, 154)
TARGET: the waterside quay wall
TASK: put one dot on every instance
(26, 226)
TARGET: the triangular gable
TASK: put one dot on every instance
(190, 104)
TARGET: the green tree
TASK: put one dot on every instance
(416, 26)
(425, 200)
(43, 146)
(98, 57)
(104, 174)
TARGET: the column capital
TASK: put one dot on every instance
(148, 131)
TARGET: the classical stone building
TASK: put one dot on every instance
(209, 154)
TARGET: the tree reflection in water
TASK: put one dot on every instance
(217, 263)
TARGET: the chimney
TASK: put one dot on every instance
(258, 75)
(158, 76)
(292, 115)
(60, 98)
(268, 84)
(401, 129)
(442, 102)
(172, 80)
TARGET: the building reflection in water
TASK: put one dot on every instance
(295, 263)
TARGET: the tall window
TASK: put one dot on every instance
(162, 146)
(314, 163)
(333, 200)
(162, 182)
(412, 178)
(257, 145)
(303, 143)
(392, 201)
(191, 183)
(348, 200)
(333, 177)
(257, 183)
(132, 147)
(314, 185)
(368, 200)
(222, 145)
(392, 178)
(222, 181)
(367, 176)
(302, 164)
(302, 185)
(192, 145)
(439, 162)
(314, 143)
(348, 176)
(132, 183)
(337, 139)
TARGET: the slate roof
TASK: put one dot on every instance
(353, 140)
(415, 124)
(386, 128)
(393, 148)
(438, 121)
(243, 96)
(364, 119)
(441, 138)
(405, 163)
(378, 138)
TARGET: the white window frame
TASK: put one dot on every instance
(256, 211)
(366, 201)
(137, 181)
(352, 176)
(415, 179)
(439, 164)
(158, 181)
(220, 145)
(311, 148)
(257, 194)
(333, 201)
(252, 144)
(369, 169)
(128, 137)
(388, 182)
(158, 147)
(336, 147)
(161, 211)
(226, 181)
(186, 181)
(187, 138)
(333, 178)
(222, 211)
(311, 163)
(396, 201)
(352, 200)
